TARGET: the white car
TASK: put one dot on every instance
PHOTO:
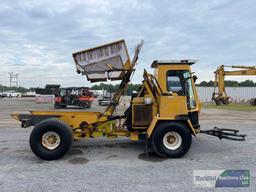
(10, 94)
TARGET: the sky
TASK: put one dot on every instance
(37, 38)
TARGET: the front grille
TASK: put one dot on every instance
(142, 115)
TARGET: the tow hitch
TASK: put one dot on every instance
(231, 134)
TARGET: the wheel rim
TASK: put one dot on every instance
(50, 140)
(172, 140)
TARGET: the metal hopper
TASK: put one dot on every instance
(109, 61)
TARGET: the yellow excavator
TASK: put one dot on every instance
(220, 96)
(164, 112)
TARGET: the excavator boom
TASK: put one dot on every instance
(220, 97)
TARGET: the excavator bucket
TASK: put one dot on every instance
(109, 61)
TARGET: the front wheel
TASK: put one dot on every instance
(57, 106)
(51, 139)
(171, 139)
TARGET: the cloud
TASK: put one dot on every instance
(38, 37)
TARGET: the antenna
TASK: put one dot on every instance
(14, 79)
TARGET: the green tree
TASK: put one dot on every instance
(113, 88)
(229, 83)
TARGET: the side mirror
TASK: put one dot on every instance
(194, 78)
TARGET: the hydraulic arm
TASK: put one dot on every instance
(220, 96)
(124, 84)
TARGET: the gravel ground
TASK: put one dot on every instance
(121, 165)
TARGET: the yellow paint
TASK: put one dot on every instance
(170, 106)
(134, 136)
(191, 128)
(152, 126)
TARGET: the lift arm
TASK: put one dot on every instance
(124, 83)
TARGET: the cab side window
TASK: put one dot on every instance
(174, 82)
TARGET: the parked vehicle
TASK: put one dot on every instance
(48, 90)
(75, 96)
(10, 94)
(105, 98)
(104, 101)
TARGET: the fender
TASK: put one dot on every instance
(157, 119)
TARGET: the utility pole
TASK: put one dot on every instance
(14, 79)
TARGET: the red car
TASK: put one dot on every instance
(73, 96)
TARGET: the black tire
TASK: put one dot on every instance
(57, 106)
(84, 105)
(51, 125)
(218, 102)
(253, 101)
(225, 101)
(179, 130)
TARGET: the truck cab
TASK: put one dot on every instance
(176, 79)
(166, 108)
(168, 95)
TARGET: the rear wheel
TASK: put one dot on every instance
(84, 105)
(51, 139)
(171, 139)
